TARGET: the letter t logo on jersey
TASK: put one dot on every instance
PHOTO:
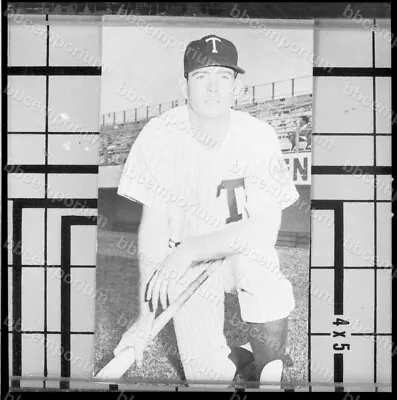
(230, 186)
(213, 39)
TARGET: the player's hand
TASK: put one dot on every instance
(137, 336)
(165, 277)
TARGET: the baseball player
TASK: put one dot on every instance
(213, 181)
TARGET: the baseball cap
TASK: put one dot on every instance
(210, 50)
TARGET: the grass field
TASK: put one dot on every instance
(117, 279)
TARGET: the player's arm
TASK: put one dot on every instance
(153, 246)
(258, 232)
(269, 190)
(143, 167)
(153, 238)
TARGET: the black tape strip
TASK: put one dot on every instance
(67, 222)
(55, 203)
(54, 71)
(65, 301)
(338, 257)
(349, 170)
(351, 71)
(53, 169)
(338, 371)
(337, 207)
(242, 11)
(16, 296)
(54, 133)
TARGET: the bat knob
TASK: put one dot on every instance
(172, 244)
(118, 366)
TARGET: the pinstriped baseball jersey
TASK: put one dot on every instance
(201, 184)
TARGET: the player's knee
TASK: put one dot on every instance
(275, 347)
(272, 371)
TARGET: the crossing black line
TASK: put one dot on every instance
(53, 71)
(54, 169)
(66, 223)
(351, 71)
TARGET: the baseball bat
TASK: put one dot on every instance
(118, 366)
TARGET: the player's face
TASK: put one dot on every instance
(210, 91)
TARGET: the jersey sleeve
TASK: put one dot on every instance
(144, 178)
(269, 183)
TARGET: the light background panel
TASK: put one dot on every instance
(385, 349)
(384, 112)
(54, 278)
(358, 235)
(322, 238)
(384, 244)
(33, 299)
(358, 363)
(384, 187)
(74, 102)
(338, 100)
(73, 149)
(83, 245)
(383, 150)
(26, 149)
(33, 232)
(322, 300)
(25, 186)
(383, 42)
(27, 42)
(383, 304)
(359, 300)
(322, 366)
(342, 187)
(83, 299)
(75, 47)
(355, 53)
(82, 347)
(64, 186)
(339, 151)
(32, 358)
(54, 358)
(26, 103)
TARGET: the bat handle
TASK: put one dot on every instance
(171, 310)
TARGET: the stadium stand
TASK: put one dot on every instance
(282, 114)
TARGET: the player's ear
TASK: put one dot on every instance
(183, 87)
(239, 88)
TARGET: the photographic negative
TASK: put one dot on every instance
(204, 195)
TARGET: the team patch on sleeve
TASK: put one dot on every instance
(279, 171)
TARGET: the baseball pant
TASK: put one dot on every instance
(264, 295)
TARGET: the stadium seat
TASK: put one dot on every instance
(283, 114)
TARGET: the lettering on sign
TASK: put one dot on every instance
(299, 167)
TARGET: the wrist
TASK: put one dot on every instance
(188, 247)
(145, 312)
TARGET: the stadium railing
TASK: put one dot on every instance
(250, 95)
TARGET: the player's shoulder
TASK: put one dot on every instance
(173, 117)
(163, 126)
(253, 129)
